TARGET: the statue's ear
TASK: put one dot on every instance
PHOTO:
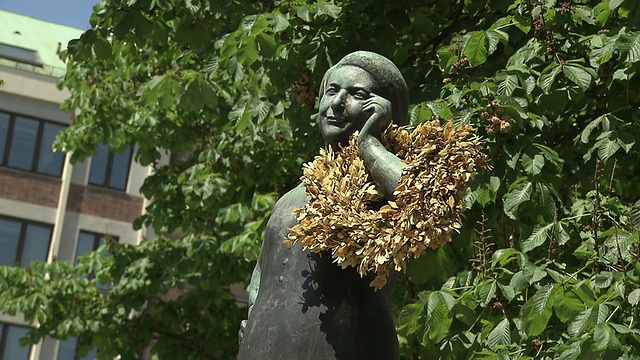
(323, 85)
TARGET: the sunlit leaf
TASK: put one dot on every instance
(516, 197)
(537, 238)
(476, 48)
(577, 75)
(548, 77)
(500, 335)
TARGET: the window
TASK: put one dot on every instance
(10, 348)
(89, 241)
(25, 144)
(23, 242)
(68, 348)
(110, 169)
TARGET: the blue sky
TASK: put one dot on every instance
(74, 13)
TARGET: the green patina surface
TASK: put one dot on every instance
(41, 36)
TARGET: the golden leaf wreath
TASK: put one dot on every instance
(344, 215)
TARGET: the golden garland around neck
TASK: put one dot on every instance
(347, 215)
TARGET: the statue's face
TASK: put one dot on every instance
(341, 107)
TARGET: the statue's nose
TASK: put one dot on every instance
(338, 99)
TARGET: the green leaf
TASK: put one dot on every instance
(328, 9)
(634, 50)
(614, 4)
(522, 23)
(500, 335)
(529, 84)
(585, 14)
(446, 58)
(191, 99)
(567, 305)
(241, 116)
(465, 314)
(487, 291)
(508, 85)
(543, 299)
(476, 48)
(532, 165)
(102, 48)
(561, 234)
(229, 48)
(543, 198)
(635, 214)
(494, 36)
(267, 44)
(248, 53)
(587, 319)
(516, 197)
(577, 75)
(602, 335)
(260, 25)
(534, 322)
(548, 77)
(537, 237)
(503, 257)
(303, 13)
(207, 94)
(602, 12)
(571, 352)
(410, 318)
(533, 273)
(279, 21)
(601, 55)
(626, 141)
(607, 145)
(602, 280)
(551, 156)
(586, 133)
(634, 297)
(632, 44)
(439, 322)
(507, 291)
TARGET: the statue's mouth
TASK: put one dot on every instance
(336, 121)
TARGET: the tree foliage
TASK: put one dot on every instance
(546, 265)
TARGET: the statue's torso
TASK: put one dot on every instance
(310, 308)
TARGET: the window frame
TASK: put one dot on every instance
(75, 351)
(109, 169)
(4, 161)
(22, 238)
(4, 334)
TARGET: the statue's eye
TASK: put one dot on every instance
(361, 95)
(331, 91)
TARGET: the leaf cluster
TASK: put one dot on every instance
(546, 263)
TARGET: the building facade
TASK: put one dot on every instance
(50, 209)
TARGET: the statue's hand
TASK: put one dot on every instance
(243, 327)
(380, 109)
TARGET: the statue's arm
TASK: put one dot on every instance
(254, 287)
(384, 166)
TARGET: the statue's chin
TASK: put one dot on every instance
(337, 138)
(336, 131)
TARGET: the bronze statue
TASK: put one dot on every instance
(302, 305)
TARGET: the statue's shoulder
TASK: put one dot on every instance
(294, 199)
(282, 217)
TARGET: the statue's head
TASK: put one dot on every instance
(359, 73)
